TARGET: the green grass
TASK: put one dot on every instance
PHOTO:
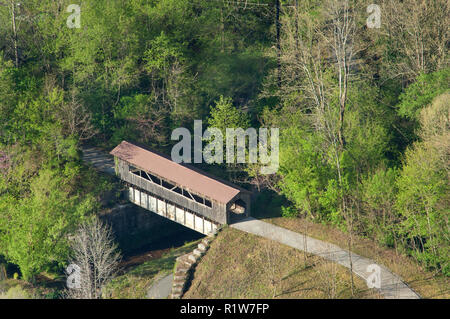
(135, 283)
(19, 289)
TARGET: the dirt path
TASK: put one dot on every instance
(391, 285)
(100, 159)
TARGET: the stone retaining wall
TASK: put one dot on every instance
(185, 266)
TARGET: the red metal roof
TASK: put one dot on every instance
(175, 173)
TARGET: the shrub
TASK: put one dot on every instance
(378, 199)
(289, 211)
(422, 92)
(422, 201)
(16, 292)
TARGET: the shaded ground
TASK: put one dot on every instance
(136, 260)
(100, 159)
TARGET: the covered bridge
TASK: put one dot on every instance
(178, 192)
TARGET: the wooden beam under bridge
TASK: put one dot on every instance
(170, 210)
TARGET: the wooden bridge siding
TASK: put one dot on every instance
(170, 211)
(217, 213)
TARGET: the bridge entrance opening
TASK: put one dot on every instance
(237, 211)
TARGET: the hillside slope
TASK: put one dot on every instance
(241, 265)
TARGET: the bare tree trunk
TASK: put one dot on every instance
(14, 29)
(305, 245)
(96, 255)
(271, 266)
(343, 38)
(327, 278)
(296, 29)
(3, 272)
(343, 34)
(315, 45)
(222, 30)
(278, 27)
(420, 30)
(350, 246)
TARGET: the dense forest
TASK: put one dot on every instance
(363, 111)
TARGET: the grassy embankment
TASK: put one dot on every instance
(135, 281)
(241, 265)
(44, 288)
(426, 283)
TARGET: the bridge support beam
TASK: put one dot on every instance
(171, 211)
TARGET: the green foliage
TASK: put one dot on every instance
(41, 196)
(34, 229)
(289, 211)
(423, 202)
(422, 92)
(309, 163)
(379, 197)
(368, 130)
(53, 295)
(15, 292)
(435, 120)
(303, 170)
(137, 69)
(161, 55)
(225, 115)
(331, 202)
(7, 96)
(423, 198)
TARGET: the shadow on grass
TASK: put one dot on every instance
(267, 204)
(298, 271)
(165, 263)
(294, 290)
(136, 280)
